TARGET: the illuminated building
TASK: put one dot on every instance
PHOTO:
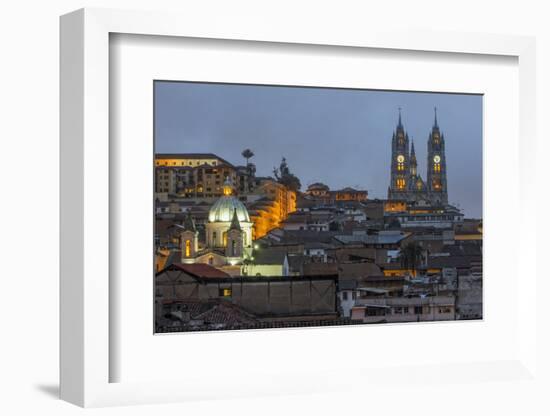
(424, 216)
(199, 175)
(272, 208)
(318, 190)
(321, 191)
(228, 233)
(395, 206)
(350, 194)
(405, 181)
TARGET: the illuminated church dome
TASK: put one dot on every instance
(224, 208)
(228, 215)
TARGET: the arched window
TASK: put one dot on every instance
(233, 248)
(225, 239)
(214, 235)
(187, 248)
(211, 260)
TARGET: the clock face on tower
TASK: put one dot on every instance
(437, 159)
(400, 158)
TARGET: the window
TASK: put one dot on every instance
(187, 248)
(418, 310)
(345, 295)
(225, 293)
(211, 260)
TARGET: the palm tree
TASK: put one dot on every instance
(411, 256)
(247, 154)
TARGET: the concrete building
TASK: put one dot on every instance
(192, 175)
(373, 308)
(425, 216)
(267, 262)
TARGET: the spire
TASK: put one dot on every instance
(235, 225)
(435, 117)
(413, 162)
(413, 155)
(399, 124)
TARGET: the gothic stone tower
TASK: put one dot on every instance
(400, 166)
(437, 166)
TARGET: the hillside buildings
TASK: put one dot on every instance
(236, 251)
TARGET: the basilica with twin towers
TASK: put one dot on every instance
(406, 183)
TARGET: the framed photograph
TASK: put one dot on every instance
(257, 205)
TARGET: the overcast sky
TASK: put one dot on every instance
(335, 136)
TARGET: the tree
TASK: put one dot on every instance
(284, 177)
(247, 154)
(411, 256)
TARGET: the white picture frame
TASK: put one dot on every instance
(86, 350)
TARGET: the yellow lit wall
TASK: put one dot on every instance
(351, 196)
(187, 162)
(395, 206)
(282, 203)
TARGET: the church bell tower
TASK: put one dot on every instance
(437, 166)
(400, 163)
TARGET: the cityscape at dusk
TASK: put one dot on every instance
(293, 207)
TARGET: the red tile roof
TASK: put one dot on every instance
(200, 270)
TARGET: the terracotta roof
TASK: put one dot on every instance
(200, 270)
